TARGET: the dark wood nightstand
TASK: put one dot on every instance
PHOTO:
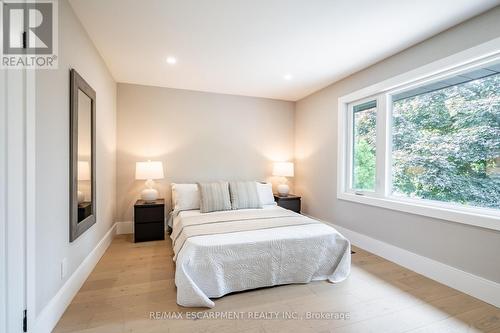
(84, 210)
(149, 220)
(291, 202)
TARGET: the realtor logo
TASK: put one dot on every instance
(29, 33)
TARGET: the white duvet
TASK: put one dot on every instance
(223, 252)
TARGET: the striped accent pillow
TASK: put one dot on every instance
(214, 196)
(244, 195)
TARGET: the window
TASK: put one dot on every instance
(446, 140)
(429, 146)
(364, 146)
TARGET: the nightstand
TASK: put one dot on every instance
(291, 202)
(84, 210)
(149, 220)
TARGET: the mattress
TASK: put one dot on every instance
(223, 252)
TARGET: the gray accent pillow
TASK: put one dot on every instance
(244, 195)
(214, 196)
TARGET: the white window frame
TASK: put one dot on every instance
(382, 92)
(350, 145)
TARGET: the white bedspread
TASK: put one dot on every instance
(223, 252)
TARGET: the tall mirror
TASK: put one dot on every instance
(82, 148)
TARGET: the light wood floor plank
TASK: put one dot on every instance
(132, 280)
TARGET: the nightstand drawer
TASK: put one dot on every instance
(149, 220)
(149, 214)
(293, 205)
(149, 231)
(291, 202)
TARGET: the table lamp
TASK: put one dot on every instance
(283, 169)
(149, 171)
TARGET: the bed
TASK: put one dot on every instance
(228, 251)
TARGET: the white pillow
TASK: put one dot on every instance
(185, 196)
(265, 193)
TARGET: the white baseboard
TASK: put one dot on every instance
(126, 227)
(470, 284)
(50, 315)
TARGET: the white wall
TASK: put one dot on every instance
(52, 156)
(199, 137)
(471, 249)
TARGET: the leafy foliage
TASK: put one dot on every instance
(364, 166)
(446, 145)
(364, 150)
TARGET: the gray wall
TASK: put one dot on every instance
(468, 248)
(52, 157)
(199, 137)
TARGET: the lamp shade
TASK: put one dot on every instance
(283, 169)
(83, 170)
(149, 170)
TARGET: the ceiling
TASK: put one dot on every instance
(247, 47)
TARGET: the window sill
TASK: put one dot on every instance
(484, 218)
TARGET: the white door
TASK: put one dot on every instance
(13, 199)
(17, 198)
(3, 211)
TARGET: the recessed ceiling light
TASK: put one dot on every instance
(288, 77)
(171, 60)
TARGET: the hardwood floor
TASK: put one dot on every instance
(132, 280)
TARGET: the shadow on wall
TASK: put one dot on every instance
(320, 152)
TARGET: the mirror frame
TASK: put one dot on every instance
(76, 229)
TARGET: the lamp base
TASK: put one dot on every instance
(283, 190)
(149, 194)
